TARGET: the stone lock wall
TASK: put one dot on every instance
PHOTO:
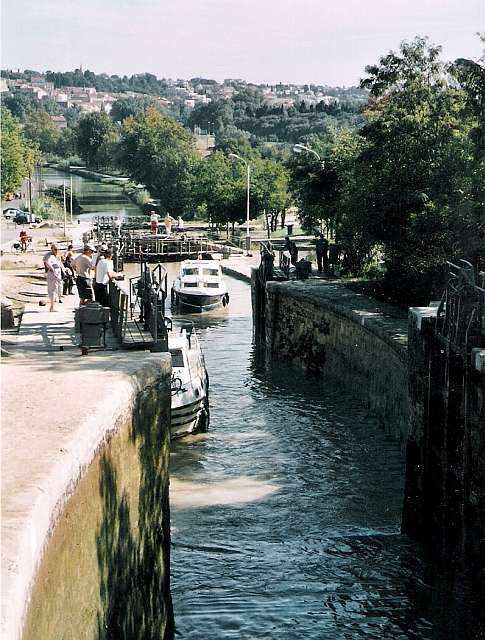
(105, 572)
(445, 476)
(347, 338)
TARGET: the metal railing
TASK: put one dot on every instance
(460, 320)
(266, 266)
(140, 308)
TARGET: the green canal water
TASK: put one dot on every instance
(95, 198)
(286, 515)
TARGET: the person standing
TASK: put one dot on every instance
(83, 266)
(154, 217)
(104, 273)
(53, 265)
(68, 278)
(24, 238)
(321, 248)
(117, 227)
(167, 221)
(333, 258)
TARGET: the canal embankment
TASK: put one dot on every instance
(343, 336)
(85, 512)
(426, 387)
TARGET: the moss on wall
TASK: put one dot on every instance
(105, 572)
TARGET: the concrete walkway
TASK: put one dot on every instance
(57, 408)
(240, 266)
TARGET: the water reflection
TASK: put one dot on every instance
(318, 556)
(95, 198)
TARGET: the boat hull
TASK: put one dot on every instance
(190, 418)
(199, 301)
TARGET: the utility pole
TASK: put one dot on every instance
(70, 202)
(65, 210)
(29, 192)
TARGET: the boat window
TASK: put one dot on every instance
(177, 357)
(190, 284)
(191, 271)
(210, 272)
(212, 285)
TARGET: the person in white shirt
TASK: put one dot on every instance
(154, 217)
(104, 273)
(53, 265)
(117, 227)
(83, 266)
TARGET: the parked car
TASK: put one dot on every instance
(10, 212)
(21, 217)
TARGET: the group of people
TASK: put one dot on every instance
(167, 221)
(91, 271)
(327, 254)
(329, 257)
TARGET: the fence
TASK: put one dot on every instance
(460, 321)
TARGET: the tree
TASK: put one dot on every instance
(126, 107)
(21, 105)
(269, 190)
(66, 146)
(414, 165)
(39, 128)
(18, 156)
(96, 133)
(157, 151)
(215, 115)
(218, 188)
(233, 140)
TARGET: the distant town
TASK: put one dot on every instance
(169, 93)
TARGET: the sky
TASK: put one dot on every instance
(262, 41)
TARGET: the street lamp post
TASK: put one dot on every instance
(300, 148)
(248, 235)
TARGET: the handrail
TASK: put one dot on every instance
(460, 319)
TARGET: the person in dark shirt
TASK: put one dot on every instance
(321, 247)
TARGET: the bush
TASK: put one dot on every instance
(47, 208)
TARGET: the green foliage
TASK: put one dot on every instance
(96, 140)
(215, 116)
(48, 208)
(411, 180)
(234, 140)
(126, 107)
(158, 152)
(21, 105)
(39, 128)
(414, 165)
(18, 156)
(66, 145)
(57, 194)
(220, 187)
(139, 196)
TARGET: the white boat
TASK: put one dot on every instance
(190, 384)
(199, 285)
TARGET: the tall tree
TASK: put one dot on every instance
(157, 151)
(126, 107)
(18, 156)
(39, 128)
(96, 133)
(415, 152)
